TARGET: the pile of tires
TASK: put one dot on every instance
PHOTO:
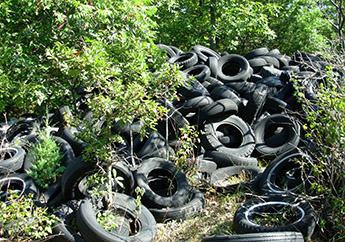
(242, 107)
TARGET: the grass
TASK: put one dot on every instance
(216, 218)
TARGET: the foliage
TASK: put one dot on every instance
(46, 165)
(184, 156)
(21, 220)
(326, 128)
(107, 219)
(232, 25)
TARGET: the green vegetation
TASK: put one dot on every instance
(46, 165)
(21, 220)
(326, 127)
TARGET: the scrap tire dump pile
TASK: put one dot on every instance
(244, 108)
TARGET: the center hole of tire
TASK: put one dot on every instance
(162, 182)
(231, 69)
(275, 214)
(183, 57)
(7, 154)
(277, 134)
(195, 72)
(232, 136)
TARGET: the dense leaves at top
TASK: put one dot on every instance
(49, 49)
(239, 26)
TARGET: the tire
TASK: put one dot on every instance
(92, 231)
(73, 174)
(21, 128)
(184, 60)
(256, 102)
(206, 166)
(219, 108)
(176, 50)
(227, 159)
(274, 52)
(193, 206)
(219, 177)
(194, 104)
(257, 63)
(268, 71)
(156, 175)
(205, 53)
(257, 52)
(11, 159)
(199, 72)
(268, 142)
(242, 88)
(271, 61)
(304, 223)
(168, 50)
(284, 175)
(154, 142)
(193, 89)
(212, 63)
(257, 237)
(76, 144)
(222, 92)
(233, 68)
(241, 136)
(20, 183)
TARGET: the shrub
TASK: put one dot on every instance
(47, 157)
(21, 220)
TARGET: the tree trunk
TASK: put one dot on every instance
(213, 22)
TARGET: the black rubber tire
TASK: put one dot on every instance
(268, 71)
(76, 144)
(157, 169)
(274, 52)
(274, 105)
(254, 107)
(194, 104)
(199, 72)
(11, 159)
(242, 87)
(212, 63)
(193, 206)
(20, 183)
(205, 53)
(219, 108)
(153, 143)
(222, 174)
(257, 237)
(257, 63)
(92, 231)
(222, 91)
(168, 50)
(233, 68)
(227, 159)
(305, 223)
(184, 60)
(21, 128)
(276, 144)
(176, 50)
(271, 60)
(283, 175)
(206, 166)
(193, 89)
(73, 174)
(234, 127)
(257, 52)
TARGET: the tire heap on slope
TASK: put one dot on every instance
(241, 106)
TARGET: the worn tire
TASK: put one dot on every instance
(11, 159)
(194, 205)
(156, 175)
(276, 143)
(240, 133)
(227, 159)
(92, 231)
(257, 237)
(233, 68)
(304, 223)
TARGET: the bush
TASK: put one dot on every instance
(21, 220)
(326, 128)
